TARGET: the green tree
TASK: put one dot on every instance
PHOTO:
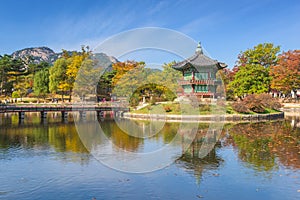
(251, 75)
(10, 71)
(57, 76)
(263, 54)
(251, 78)
(41, 83)
(104, 86)
(170, 80)
(5, 62)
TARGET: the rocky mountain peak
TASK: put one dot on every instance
(37, 54)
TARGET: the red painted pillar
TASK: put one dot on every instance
(193, 76)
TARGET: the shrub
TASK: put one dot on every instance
(167, 108)
(149, 107)
(254, 103)
(204, 107)
(257, 103)
(134, 100)
(269, 102)
(30, 95)
(152, 101)
(240, 107)
(16, 94)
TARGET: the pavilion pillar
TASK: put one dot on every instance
(64, 116)
(43, 114)
(100, 114)
(21, 115)
(82, 115)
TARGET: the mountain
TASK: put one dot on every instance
(45, 54)
(38, 54)
(105, 60)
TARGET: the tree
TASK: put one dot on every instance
(226, 75)
(64, 71)
(251, 75)
(251, 78)
(57, 76)
(104, 86)
(87, 79)
(5, 62)
(263, 54)
(122, 68)
(165, 81)
(10, 71)
(127, 84)
(150, 83)
(286, 74)
(74, 62)
(41, 83)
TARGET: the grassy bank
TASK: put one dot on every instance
(185, 109)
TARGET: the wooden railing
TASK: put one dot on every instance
(199, 82)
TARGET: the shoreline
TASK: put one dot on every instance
(207, 118)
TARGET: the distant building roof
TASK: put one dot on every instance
(199, 60)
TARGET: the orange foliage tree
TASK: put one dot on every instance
(286, 74)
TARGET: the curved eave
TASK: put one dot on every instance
(198, 61)
(221, 65)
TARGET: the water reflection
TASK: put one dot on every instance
(262, 146)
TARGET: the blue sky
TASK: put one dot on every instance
(225, 27)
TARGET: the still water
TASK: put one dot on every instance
(48, 160)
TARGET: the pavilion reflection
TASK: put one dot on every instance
(192, 158)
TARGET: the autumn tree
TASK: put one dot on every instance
(121, 68)
(166, 81)
(87, 79)
(130, 81)
(74, 62)
(64, 71)
(286, 74)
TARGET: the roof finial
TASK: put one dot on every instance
(199, 49)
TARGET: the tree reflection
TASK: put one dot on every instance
(262, 144)
(61, 137)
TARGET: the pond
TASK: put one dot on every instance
(50, 160)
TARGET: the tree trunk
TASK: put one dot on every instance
(70, 95)
(62, 96)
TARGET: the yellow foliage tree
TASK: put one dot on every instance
(122, 68)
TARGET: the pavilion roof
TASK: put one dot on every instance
(199, 60)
